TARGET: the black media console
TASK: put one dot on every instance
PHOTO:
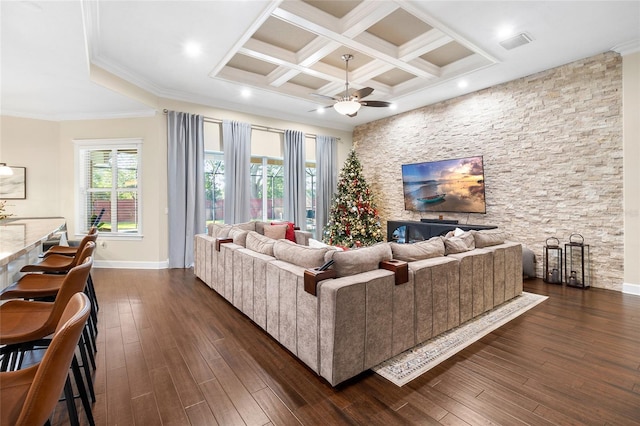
(405, 231)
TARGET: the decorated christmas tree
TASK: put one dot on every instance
(353, 219)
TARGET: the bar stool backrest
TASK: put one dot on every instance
(74, 282)
(91, 237)
(86, 251)
(53, 370)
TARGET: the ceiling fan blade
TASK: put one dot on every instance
(319, 108)
(375, 103)
(325, 96)
(365, 91)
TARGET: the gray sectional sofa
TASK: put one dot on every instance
(372, 304)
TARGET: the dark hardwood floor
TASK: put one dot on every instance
(172, 352)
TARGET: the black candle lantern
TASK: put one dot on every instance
(576, 262)
(552, 261)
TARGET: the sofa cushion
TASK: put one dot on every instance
(464, 242)
(528, 262)
(277, 232)
(433, 247)
(319, 244)
(260, 226)
(489, 237)
(259, 243)
(239, 236)
(359, 260)
(307, 257)
(291, 234)
(217, 230)
(246, 226)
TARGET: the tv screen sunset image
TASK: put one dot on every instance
(455, 185)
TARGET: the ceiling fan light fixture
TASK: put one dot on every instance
(347, 107)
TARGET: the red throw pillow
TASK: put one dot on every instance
(290, 234)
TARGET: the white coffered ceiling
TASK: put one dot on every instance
(411, 53)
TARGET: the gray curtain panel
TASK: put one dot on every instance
(326, 180)
(294, 178)
(236, 142)
(185, 165)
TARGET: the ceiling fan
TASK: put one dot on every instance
(350, 104)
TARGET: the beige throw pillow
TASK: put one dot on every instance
(277, 232)
(464, 242)
(489, 237)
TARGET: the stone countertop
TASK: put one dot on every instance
(19, 236)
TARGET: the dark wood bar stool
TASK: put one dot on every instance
(29, 396)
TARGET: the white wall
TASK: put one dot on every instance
(33, 144)
(631, 148)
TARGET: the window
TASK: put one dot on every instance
(310, 186)
(108, 186)
(267, 188)
(214, 186)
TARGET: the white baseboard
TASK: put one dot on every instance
(631, 288)
(123, 264)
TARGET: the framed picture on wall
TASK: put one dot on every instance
(14, 187)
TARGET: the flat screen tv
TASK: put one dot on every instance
(455, 185)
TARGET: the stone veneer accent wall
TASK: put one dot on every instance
(552, 147)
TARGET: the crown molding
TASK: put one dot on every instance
(80, 116)
(627, 48)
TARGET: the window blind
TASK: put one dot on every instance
(109, 191)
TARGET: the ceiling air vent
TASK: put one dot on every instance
(515, 41)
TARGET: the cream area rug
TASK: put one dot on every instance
(413, 362)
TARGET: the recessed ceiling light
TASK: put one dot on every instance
(245, 93)
(192, 49)
(505, 31)
(393, 107)
(463, 84)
